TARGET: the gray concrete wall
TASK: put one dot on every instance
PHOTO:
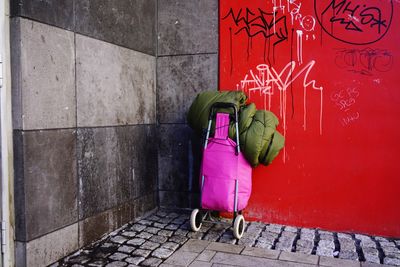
(84, 115)
(100, 95)
(187, 64)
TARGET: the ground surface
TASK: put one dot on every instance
(164, 239)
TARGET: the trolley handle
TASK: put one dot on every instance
(223, 105)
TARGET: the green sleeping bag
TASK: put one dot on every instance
(259, 140)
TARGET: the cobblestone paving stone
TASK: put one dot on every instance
(326, 244)
(135, 260)
(369, 248)
(305, 243)
(126, 249)
(150, 241)
(348, 249)
(195, 235)
(286, 240)
(269, 236)
(141, 252)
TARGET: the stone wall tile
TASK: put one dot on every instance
(50, 181)
(145, 204)
(115, 85)
(15, 41)
(129, 23)
(20, 254)
(19, 187)
(51, 247)
(187, 27)
(54, 12)
(144, 160)
(179, 158)
(115, 164)
(173, 199)
(94, 227)
(45, 75)
(179, 80)
(104, 169)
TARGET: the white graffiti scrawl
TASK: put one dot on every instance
(266, 80)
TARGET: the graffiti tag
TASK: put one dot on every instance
(345, 99)
(355, 21)
(259, 23)
(349, 119)
(364, 61)
(267, 79)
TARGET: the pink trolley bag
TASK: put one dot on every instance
(225, 183)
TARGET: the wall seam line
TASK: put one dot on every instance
(194, 54)
(50, 232)
(77, 222)
(157, 111)
(84, 127)
(83, 34)
(78, 193)
(130, 201)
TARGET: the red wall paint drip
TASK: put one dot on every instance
(328, 70)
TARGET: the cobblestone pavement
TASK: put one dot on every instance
(160, 237)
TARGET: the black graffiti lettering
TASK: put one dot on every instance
(239, 18)
(367, 17)
(260, 22)
(336, 7)
(356, 22)
(350, 25)
(373, 16)
(364, 61)
(349, 10)
(347, 13)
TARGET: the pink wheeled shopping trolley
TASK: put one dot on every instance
(225, 182)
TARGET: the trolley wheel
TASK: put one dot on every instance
(196, 220)
(238, 226)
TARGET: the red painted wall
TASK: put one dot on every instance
(330, 71)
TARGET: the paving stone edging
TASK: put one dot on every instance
(157, 237)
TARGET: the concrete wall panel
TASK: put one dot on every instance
(173, 157)
(187, 27)
(179, 80)
(20, 254)
(146, 204)
(59, 13)
(115, 164)
(129, 23)
(50, 181)
(46, 76)
(144, 160)
(51, 247)
(172, 199)
(19, 187)
(115, 85)
(15, 41)
(93, 228)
